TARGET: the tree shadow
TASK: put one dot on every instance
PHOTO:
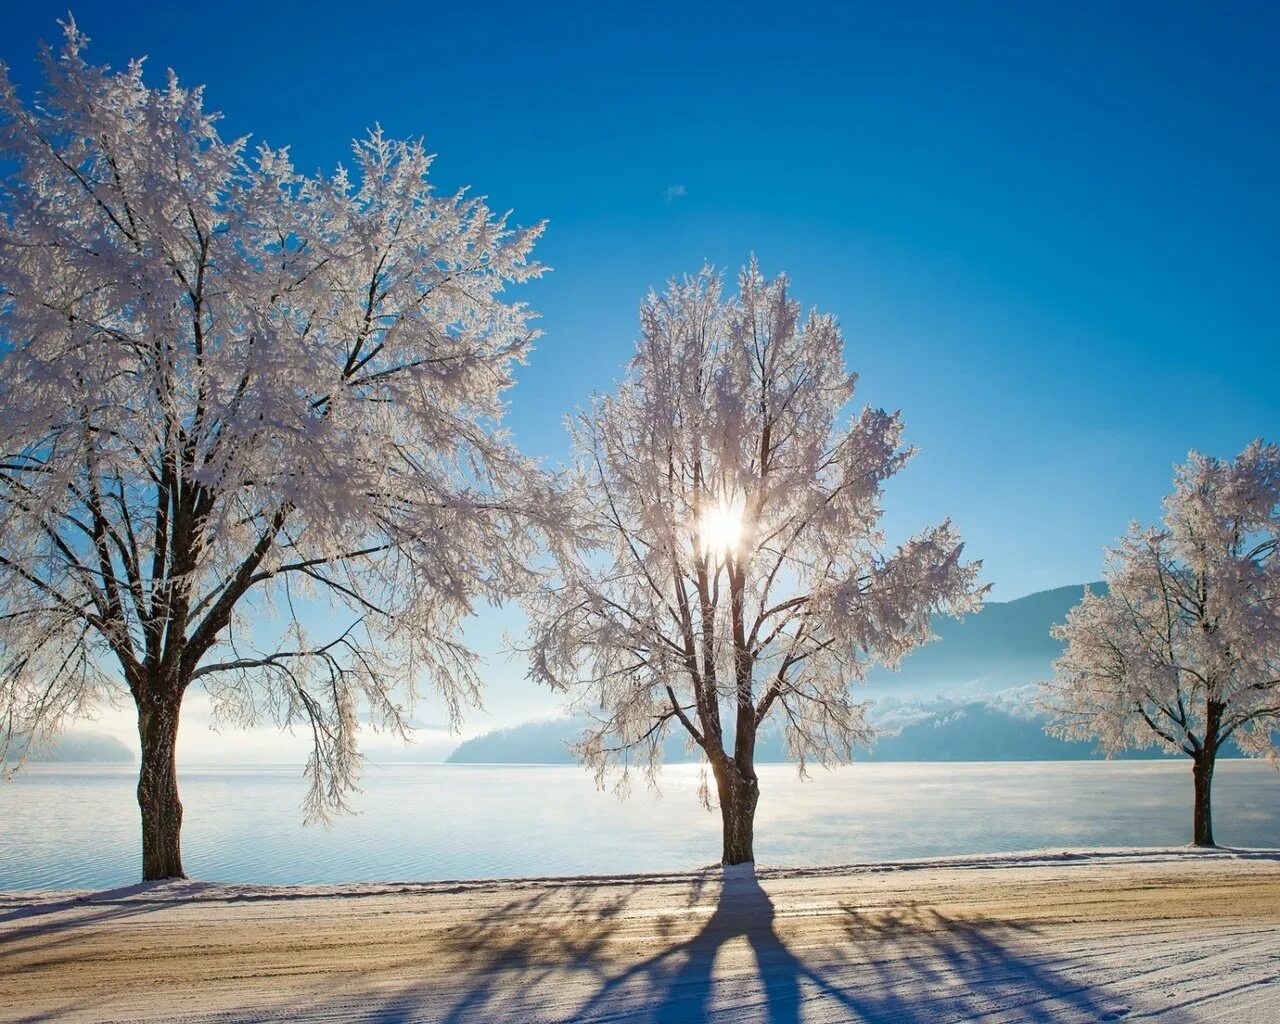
(907, 966)
(527, 946)
(679, 981)
(57, 922)
(1245, 853)
(39, 905)
(920, 964)
(718, 950)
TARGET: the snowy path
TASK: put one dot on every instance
(1175, 936)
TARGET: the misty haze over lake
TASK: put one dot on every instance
(76, 826)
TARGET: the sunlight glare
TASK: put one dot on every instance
(721, 529)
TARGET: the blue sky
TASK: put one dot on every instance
(1051, 232)
(1051, 236)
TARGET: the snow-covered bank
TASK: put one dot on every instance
(1175, 935)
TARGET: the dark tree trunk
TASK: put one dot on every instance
(738, 799)
(1202, 821)
(158, 790)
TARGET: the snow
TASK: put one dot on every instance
(734, 874)
(1173, 935)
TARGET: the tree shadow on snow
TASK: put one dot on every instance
(585, 953)
(908, 966)
(55, 922)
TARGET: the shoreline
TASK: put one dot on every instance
(1038, 857)
(1173, 934)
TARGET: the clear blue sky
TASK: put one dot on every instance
(1050, 232)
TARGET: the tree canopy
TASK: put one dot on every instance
(249, 419)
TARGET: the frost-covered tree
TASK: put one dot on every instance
(1183, 650)
(248, 428)
(731, 565)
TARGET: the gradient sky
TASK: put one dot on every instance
(1051, 232)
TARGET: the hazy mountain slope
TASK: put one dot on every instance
(82, 746)
(541, 742)
(965, 696)
(1006, 644)
(976, 731)
(980, 732)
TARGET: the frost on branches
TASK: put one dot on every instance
(1184, 649)
(229, 390)
(731, 566)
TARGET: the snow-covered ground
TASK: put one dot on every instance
(1170, 935)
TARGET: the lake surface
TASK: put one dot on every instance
(77, 826)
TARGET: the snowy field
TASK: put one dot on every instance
(1169, 935)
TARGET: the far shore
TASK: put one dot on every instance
(1166, 934)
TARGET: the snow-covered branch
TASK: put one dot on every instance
(234, 394)
(727, 517)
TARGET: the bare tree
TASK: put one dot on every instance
(248, 428)
(731, 565)
(1183, 651)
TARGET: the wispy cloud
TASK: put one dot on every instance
(673, 192)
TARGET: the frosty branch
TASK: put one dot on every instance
(249, 427)
(731, 566)
(1183, 650)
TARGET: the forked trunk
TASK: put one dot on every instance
(738, 799)
(158, 790)
(1202, 822)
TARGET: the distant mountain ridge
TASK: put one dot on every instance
(84, 747)
(1007, 644)
(966, 696)
(976, 731)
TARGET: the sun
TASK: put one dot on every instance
(721, 529)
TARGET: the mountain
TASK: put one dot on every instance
(1006, 644)
(965, 696)
(78, 746)
(542, 742)
(979, 731)
(974, 731)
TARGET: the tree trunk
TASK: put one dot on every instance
(158, 790)
(738, 799)
(1202, 822)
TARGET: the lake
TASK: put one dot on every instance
(77, 825)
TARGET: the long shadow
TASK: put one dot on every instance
(908, 966)
(1244, 853)
(914, 969)
(56, 922)
(680, 980)
(920, 964)
(525, 946)
(572, 953)
(40, 906)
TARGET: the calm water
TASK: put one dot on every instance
(78, 825)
